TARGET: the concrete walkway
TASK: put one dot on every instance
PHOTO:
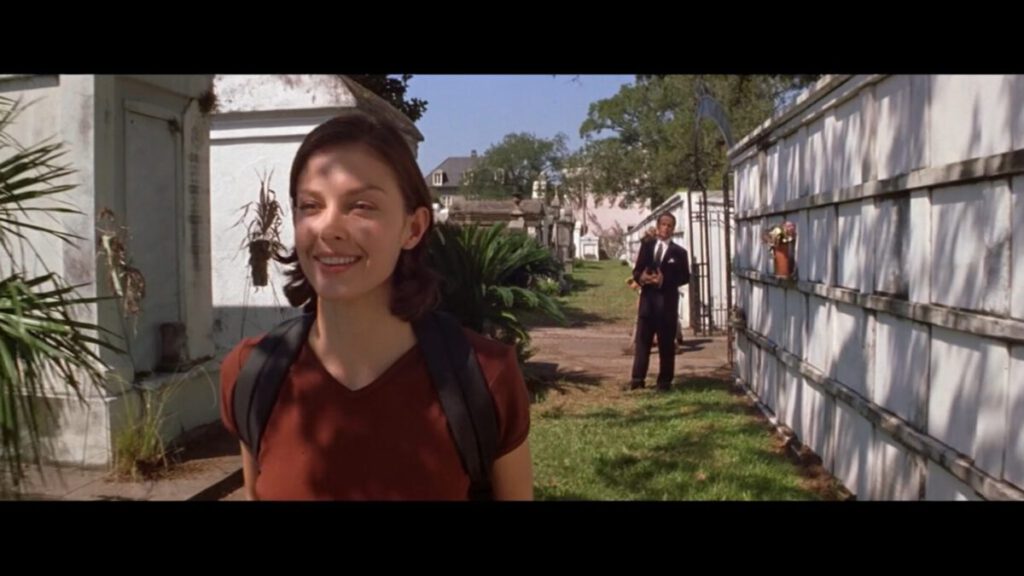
(206, 467)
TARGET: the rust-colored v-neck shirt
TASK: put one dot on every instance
(386, 441)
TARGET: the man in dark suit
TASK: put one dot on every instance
(661, 268)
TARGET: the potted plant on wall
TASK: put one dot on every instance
(780, 239)
(263, 231)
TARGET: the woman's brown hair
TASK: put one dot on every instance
(414, 284)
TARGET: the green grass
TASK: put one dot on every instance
(599, 295)
(698, 443)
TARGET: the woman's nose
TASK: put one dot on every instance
(335, 225)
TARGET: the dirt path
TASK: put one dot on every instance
(597, 358)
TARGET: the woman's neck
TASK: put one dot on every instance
(358, 341)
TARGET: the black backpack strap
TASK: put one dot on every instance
(465, 398)
(261, 377)
(478, 397)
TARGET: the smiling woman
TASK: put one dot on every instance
(351, 226)
(361, 412)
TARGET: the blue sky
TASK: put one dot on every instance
(472, 112)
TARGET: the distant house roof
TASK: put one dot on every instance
(454, 167)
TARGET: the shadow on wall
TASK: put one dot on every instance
(900, 384)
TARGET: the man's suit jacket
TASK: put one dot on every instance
(662, 301)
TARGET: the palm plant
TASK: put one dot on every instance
(490, 277)
(41, 341)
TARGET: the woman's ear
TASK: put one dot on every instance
(418, 222)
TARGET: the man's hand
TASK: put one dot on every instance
(651, 278)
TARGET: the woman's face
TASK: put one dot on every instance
(351, 223)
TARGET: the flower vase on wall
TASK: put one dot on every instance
(783, 260)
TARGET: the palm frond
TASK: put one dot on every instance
(42, 342)
(491, 276)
